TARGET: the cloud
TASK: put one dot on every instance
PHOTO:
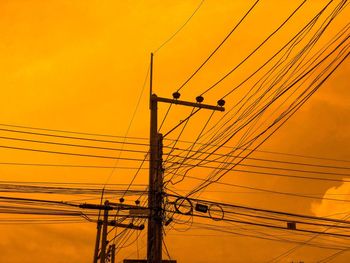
(333, 208)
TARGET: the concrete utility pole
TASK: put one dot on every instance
(155, 192)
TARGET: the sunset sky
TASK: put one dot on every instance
(83, 66)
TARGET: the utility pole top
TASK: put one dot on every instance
(155, 189)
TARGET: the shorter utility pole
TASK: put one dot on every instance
(104, 255)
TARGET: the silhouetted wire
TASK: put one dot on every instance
(282, 220)
(188, 152)
(313, 20)
(184, 190)
(69, 153)
(176, 164)
(127, 236)
(277, 174)
(225, 206)
(180, 28)
(25, 188)
(66, 131)
(276, 227)
(333, 256)
(256, 49)
(68, 165)
(265, 151)
(117, 235)
(260, 159)
(268, 190)
(289, 251)
(184, 122)
(129, 126)
(330, 73)
(299, 105)
(259, 236)
(312, 43)
(72, 137)
(165, 116)
(45, 222)
(219, 46)
(70, 144)
(45, 183)
(282, 103)
(325, 78)
(166, 249)
(135, 175)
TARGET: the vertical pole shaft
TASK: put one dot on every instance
(104, 233)
(97, 244)
(154, 238)
(152, 224)
(159, 200)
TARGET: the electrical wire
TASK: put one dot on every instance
(219, 46)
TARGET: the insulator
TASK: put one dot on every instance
(121, 200)
(199, 99)
(221, 103)
(176, 95)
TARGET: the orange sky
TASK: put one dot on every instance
(80, 66)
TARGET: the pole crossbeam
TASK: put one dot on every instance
(188, 103)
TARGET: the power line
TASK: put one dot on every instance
(180, 28)
(219, 46)
(69, 165)
(261, 151)
(269, 191)
(290, 111)
(256, 49)
(67, 131)
(72, 137)
(72, 145)
(69, 153)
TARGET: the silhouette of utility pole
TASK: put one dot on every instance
(155, 192)
(108, 254)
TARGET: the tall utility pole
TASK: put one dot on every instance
(154, 238)
(155, 189)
